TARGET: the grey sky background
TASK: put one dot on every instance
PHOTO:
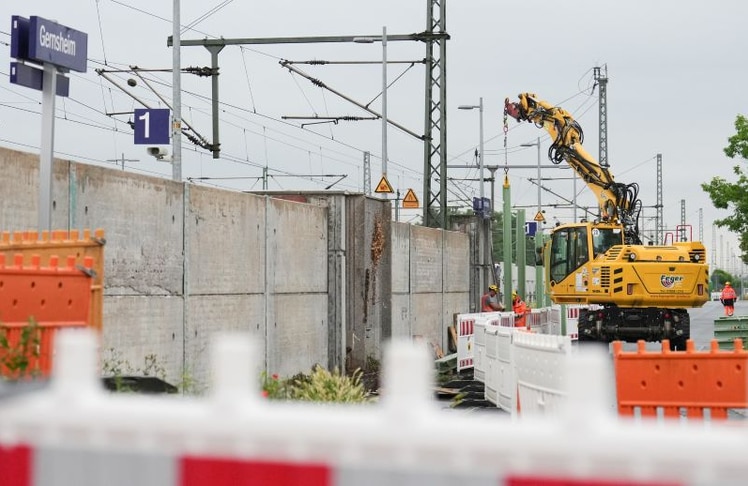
(677, 75)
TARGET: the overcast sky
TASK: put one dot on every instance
(677, 70)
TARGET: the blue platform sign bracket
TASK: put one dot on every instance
(32, 77)
(152, 126)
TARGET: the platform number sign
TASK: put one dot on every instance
(152, 126)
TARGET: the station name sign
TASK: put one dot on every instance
(42, 41)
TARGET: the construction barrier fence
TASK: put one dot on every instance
(36, 300)
(73, 433)
(81, 244)
(686, 384)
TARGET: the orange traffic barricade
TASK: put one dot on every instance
(36, 300)
(80, 244)
(695, 384)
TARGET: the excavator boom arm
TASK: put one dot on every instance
(617, 202)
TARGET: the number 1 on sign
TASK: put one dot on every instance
(147, 128)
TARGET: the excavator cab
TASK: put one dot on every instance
(573, 245)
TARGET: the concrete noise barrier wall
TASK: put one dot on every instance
(73, 433)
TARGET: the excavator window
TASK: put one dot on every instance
(604, 238)
(569, 251)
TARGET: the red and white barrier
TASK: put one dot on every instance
(76, 434)
(467, 324)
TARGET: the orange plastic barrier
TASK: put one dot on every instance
(61, 242)
(697, 384)
(50, 297)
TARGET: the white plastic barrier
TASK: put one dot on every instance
(505, 319)
(501, 383)
(466, 332)
(538, 320)
(76, 434)
(539, 362)
(572, 319)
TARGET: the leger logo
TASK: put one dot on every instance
(669, 281)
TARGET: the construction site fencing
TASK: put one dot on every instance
(37, 298)
(73, 433)
(81, 244)
(466, 327)
(685, 385)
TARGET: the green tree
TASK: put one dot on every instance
(725, 194)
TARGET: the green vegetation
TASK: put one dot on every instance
(320, 385)
(17, 357)
(734, 195)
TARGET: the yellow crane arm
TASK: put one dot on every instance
(618, 202)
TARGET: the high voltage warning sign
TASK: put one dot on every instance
(410, 201)
(539, 217)
(384, 186)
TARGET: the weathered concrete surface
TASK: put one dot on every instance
(136, 326)
(143, 220)
(323, 280)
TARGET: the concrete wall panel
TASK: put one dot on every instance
(401, 315)
(427, 321)
(142, 217)
(139, 326)
(456, 262)
(426, 264)
(226, 242)
(20, 193)
(297, 336)
(210, 314)
(400, 258)
(297, 241)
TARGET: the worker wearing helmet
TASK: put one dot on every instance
(520, 309)
(490, 300)
(728, 297)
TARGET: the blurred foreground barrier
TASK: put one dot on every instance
(36, 300)
(75, 434)
(690, 383)
(59, 242)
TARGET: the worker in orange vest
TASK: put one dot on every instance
(520, 309)
(728, 297)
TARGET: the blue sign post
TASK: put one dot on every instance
(482, 207)
(53, 48)
(152, 126)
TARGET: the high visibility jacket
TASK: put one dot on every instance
(520, 310)
(728, 296)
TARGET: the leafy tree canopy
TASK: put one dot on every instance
(734, 194)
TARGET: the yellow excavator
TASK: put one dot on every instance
(638, 292)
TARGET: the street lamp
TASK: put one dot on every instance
(481, 220)
(479, 107)
(538, 238)
(369, 40)
(537, 143)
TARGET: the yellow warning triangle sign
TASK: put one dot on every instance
(410, 200)
(539, 217)
(384, 186)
